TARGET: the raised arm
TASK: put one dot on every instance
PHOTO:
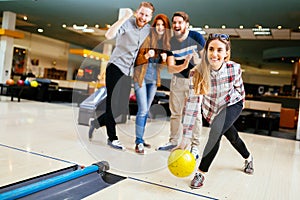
(113, 30)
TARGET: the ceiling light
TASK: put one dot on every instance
(89, 54)
(64, 26)
(79, 27)
(25, 18)
(274, 72)
(197, 29)
(223, 26)
(88, 30)
(40, 30)
(261, 31)
(279, 27)
(206, 26)
(97, 26)
(241, 26)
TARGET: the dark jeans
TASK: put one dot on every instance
(223, 125)
(118, 88)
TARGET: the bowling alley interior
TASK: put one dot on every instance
(53, 58)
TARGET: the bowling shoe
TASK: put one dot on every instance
(248, 168)
(116, 144)
(197, 181)
(166, 147)
(91, 131)
(139, 148)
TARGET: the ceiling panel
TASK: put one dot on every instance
(52, 14)
(281, 34)
(295, 35)
(246, 34)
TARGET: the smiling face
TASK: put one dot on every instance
(160, 27)
(143, 16)
(216, 53)
(180, 27)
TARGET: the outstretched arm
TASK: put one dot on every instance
(191, 110)
(173, 68)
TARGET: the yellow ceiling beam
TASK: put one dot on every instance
(11, 33)
(90, 54)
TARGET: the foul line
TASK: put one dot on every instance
(38, 154)
(172, 188)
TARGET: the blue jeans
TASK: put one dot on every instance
(144, 98)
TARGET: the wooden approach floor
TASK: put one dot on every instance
(38, 138)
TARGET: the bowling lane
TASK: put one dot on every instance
(17, 165)
(136, 189)
(51, 131)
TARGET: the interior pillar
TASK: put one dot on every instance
(7, 46)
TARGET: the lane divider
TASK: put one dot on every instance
(44, 184)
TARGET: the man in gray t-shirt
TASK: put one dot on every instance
(130, 32)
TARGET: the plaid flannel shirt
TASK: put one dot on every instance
(191, 109)
(227, 88)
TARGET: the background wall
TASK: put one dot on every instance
(55, 53)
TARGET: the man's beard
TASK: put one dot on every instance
(179, 34)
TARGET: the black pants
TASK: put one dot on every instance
(223, 125)
(118, 88)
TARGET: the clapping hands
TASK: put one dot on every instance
(164, 57)
(151, 53)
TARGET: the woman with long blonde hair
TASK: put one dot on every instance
(221, 105)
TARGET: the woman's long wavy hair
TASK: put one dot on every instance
(167, 35)
(201, 79)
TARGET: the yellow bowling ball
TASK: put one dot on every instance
(181, 163)
(34, 84)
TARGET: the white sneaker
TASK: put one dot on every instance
(194, 150)
(166, 147)
(116, 144)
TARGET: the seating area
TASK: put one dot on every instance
(258, 116)
(268, 118)
(288, 118)
(48, 91)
